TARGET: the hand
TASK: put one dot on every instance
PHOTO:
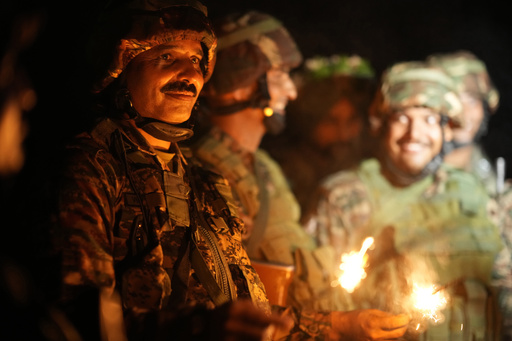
(246, 322)
(367, 325)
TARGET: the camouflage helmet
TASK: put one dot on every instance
(249, 45)
(125, 31)
(470, 75)
(415, 83)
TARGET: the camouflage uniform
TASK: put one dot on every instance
(282, 238)
(470, 76)
(130, 220)
(440, 222)
(502, 268)
(435, 230)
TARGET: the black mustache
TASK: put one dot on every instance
(179, 86)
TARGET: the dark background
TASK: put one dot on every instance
(383, 31)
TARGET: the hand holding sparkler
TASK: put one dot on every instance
(368, 325)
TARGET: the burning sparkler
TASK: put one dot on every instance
(429, 300)
(352, 266)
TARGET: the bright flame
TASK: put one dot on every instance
(352, 266)
(429, 301)
(267, 111)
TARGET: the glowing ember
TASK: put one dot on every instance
(429, 301)
(352, 266)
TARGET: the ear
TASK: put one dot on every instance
(448, 132)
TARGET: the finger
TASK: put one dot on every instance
(397, 321)
(393, 334)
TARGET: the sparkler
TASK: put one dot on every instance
(352, 266)
(429, 300)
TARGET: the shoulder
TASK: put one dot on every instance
(93, 152)
(459, 179)
(344, 184)
(271, 165)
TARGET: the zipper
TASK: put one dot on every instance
(219, 267)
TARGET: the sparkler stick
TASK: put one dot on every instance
(449, 284)
(352, 266)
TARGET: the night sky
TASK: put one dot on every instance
(382, 31)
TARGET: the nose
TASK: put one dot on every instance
(415, 128)
(190, 73)
(291, 89)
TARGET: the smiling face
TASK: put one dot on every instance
(413, 139)
(164, 82)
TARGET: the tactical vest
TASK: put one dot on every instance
(277, 236)
(177, 233)
(443, 236)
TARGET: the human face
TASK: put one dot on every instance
(13, 130)
(164, 82)
(341, 124)
(281, 89)
(414, 138)
(473, 116)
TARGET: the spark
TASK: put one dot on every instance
(429, 301)
(352, 266)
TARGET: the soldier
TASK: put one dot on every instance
(326, 127)
(245, 99)
(139, 225)
(479, 100)
(430, 220)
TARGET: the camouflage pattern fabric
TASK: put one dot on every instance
(249, 45)
(502, 271)
(108, 240)
(436, 231)
(480, 165)
(470, 75)
(284, 241)
(139, 25)
(411, 84)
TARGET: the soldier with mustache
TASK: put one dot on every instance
(149, 240)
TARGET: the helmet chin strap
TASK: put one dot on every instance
(274, 123)
(156, 128)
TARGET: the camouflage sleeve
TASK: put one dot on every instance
(308, 324)
(342, 206)
(86, 200)
(502, 271)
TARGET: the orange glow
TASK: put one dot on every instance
(429, 301)
(352, 266)
(268, 111)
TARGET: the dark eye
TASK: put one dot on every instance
(165, 56)
(195, 60)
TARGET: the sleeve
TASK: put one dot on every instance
(341, 207)
(308, 324)
(502, 270)
(82, 234)
(86, 200)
